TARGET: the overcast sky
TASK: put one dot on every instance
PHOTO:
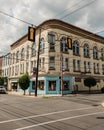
(86, 14)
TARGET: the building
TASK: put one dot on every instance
(59, 67)
(1, 66)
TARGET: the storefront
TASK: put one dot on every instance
(52, 85)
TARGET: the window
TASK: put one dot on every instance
(102, 52)
(95, 53)
(43, 62)
(41, 85)
(32, 65)
(52, 86)
(51, 40)
(96, 68)
(33, 84)
(22, 54)
(17, 56)
(27, 55)
(76, 48)
(52, 62)
(27, 66)
(86, 50)
(42, 45)
(65, 85)
(66, 64)
(86, 66)
(39, 63)
(103, 69)
(76, 65)
(33, 49)
(63, 45)
(13, 58)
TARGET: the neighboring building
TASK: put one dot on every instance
(80, 62)
(1, 66)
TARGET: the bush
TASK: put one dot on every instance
(102, 90)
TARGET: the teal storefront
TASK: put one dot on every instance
(51, 85)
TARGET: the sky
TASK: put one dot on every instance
(86, 14)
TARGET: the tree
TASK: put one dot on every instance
(90, 82)
(1, 80)
(24, 82)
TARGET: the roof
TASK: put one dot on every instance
(56, 23)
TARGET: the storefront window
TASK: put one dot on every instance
(65, 85)
(33, 85)
(52, 86)
(41, 85)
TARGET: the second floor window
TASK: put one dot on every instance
(86, 66)
(76, 65)
(66, 64)
(52, 62)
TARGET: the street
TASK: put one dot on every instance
(77, 112)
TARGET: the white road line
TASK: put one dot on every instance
(62, 119)
(45, 114)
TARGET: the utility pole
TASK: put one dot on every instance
(38, 53)
(61, 70)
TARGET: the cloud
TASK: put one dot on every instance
(36, 11)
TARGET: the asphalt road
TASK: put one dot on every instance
(77, 112)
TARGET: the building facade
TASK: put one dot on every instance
(59, 67)
(1, 66)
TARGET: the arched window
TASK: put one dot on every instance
(22, 54)
(17, 56)
(42, 45)
(33, 49)
(86, 50)
(102, 52)
(13, 58)
(63, 45)
(27, 53)
(76, 48)
(95, 52)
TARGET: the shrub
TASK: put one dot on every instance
(102, 89)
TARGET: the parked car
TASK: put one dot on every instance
(2, 90)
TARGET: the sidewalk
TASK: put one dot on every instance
(33, 94)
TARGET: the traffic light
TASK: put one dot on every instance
(69, 43)
(31, 34)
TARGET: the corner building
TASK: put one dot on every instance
(59, 67)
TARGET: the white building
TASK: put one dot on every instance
(80, 62)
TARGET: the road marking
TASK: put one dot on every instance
(45, 114)
(53, 121)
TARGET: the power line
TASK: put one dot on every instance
(68, 8)
(78, 9)
(17, 18)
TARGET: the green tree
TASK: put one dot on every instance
(90, 82)
(24, 82)
(1, 80)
